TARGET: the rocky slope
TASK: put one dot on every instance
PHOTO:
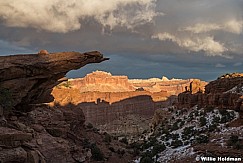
(30, 78)
(190, 134)
(211, 128)
(44, 133)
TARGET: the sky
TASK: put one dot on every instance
(143, 38)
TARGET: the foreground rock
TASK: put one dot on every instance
(48, 134)
(30, 78)
(57, 135)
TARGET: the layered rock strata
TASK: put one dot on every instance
(30, 78)
(226, 92)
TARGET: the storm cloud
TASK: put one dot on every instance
(191, 35)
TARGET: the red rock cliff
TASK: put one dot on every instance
(30, 78)
(225, 92)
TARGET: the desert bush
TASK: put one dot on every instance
(175, 126)
(176, 143)
(216, 119)
(90, 126)
(66, 84)
(146, 159)
(124, 140)
(226, 116)
(182, 123)
(175, 136)
(157, 148)
(97, 155)
(203, 121)
(188, 132)
(107, 138)
(235, 142)
(213, 127)
(202, 139)
(209, 109)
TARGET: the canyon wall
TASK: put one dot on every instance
(118, 105)
(226, 92)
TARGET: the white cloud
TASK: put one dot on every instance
(64, 16)
(232, 26)
(201, 28)
(195, 44)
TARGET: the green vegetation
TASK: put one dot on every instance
(66, 84)
(186, 127)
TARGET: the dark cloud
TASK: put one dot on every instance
(148, 38)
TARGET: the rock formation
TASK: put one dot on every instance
(30, 78)
(44, 52)
(44, 134)
(226, 92)
(102, 82)
(103, 97)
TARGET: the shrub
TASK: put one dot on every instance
(97, 155)
(235, 142)
(212, 127)
(90, 126)
(203, 121)
(146, 159)
(67, 84)
(202, 139)
(209, 109)
(107, 138)
(188, 132)
(182, 123)
(158, 148)
(124, 140)
(216, 119)
(175, 126)
(176, 143)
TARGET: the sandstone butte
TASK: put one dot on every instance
(107, 87)
(30, 78)
(109, 102)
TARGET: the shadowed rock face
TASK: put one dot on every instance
(30, 78)
(225, 93)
